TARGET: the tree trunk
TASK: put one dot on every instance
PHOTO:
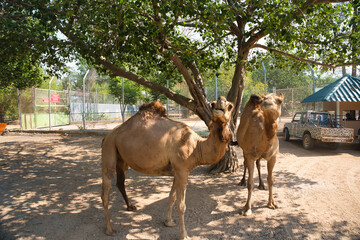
(353, 73)
(230, 162)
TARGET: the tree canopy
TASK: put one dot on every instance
(181, 39)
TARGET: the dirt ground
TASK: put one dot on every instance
(50, 189)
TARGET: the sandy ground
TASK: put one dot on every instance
(50, 189)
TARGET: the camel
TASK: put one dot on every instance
(256, 135)
(150, 143)
(243, 180)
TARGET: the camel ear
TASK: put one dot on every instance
(255, 99)
(280, 98)
(229, 109)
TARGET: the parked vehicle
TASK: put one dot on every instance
(314, 126)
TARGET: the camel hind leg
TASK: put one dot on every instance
(121, 168)
(108, 172)
(261, 183)
(243, 180)
(169, 222)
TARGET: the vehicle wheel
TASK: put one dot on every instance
(308, 142)
(287, 134)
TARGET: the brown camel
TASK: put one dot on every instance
(243, 180)
(256, 135)
(150, 143)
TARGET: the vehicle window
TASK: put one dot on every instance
(319, 118)
(303, 117)
(313, 118)
(297, 117)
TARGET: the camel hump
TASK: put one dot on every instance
(153, 107)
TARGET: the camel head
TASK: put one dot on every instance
(221, 110)
(272, 103)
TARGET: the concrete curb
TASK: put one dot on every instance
(101, 132)
(87, 132)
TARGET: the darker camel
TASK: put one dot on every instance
(256, 135)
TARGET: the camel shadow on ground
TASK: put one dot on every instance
(213, 203)
(51, 189)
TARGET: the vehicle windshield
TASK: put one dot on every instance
(320, 118)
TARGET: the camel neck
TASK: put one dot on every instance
(271, 125)
(213, 148)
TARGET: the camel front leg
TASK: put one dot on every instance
(250, 185)
(180, 189)
(169, 222)
(270, 166)
(261, 183)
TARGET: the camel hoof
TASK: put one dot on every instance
(242, 183)
(246, 212)
(186, 238)
(131, 208)
(272, 206)
(110, 232)
(262, 187)
(171, 223)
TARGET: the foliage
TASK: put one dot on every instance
(252, 87)
(131, 90)
(322, 80)
(56, 84)
(27, 40)
(223, 78)
(281, 77)
(185, 39)
(8, 104)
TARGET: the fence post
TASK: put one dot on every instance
(69, 101)
(292, 101)
(35, 121)
(216, 87)
(18, 97)
(96, 104)
(83, 115)
(49, 96)
(262, 63)
(123, 101)
(167, 99)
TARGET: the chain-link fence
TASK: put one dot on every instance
(293, 98)
(41, 108)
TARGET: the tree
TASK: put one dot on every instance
(25, 43)
(148, 35)
(280, 77)
(131, 93)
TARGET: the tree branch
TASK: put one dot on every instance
(182, 100)
(293, 56)
(194, 90)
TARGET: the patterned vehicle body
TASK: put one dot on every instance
(320, 125)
